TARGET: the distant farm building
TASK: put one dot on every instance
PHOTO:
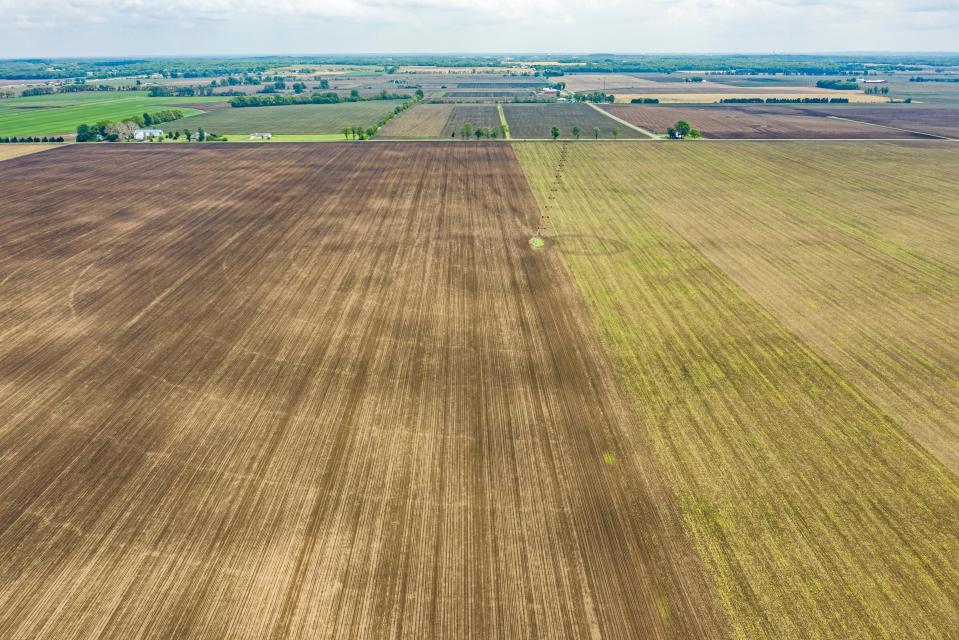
(146, 134)
(549, 91)
(261, 136)
(877, 81)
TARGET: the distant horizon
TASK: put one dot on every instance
(95, 28)
(490, 54)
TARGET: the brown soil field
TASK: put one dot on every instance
(304, 391)
(424, 120)
(9, 151)
(749, 121)
(937, 121)
(536, 120)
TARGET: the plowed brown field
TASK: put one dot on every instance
(316, 391)
(750, 121)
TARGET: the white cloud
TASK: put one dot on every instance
(182, 27)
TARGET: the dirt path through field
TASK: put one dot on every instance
(313, 391)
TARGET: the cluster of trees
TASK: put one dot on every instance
(315, 98)
(784, 100)
(37, 91)
(6, 139)
(78, 87)
(199, 136)
(877, 91)
(682, 130)
(921, 79)
(159, 91)
(157, 117)
(644, 101)
(110, 131)
(596, 96)
(234, 81)
(838, 85)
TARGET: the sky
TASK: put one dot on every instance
(46, 28)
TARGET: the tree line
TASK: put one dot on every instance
(6, 139)
(359, 133)
(316, 98)
(784, 101)
(838, 85)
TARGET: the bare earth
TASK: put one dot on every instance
(316, 391)
(751, 121)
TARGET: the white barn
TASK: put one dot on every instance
(145, 134)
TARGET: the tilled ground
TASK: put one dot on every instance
(313, 391)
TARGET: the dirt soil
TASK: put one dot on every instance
(751, 121)
(305, 391)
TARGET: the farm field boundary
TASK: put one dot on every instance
(625, 123)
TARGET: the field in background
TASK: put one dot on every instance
(59, 114)
(258, 391)
(536, 120)
(749, 295)
(750, 121)
(932, 120)
(423, 120)
(716, 96)
(294, 119)
(484, 116)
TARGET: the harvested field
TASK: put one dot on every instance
(758, 301)
(423, 120)
(536, 120)
(937, 121)
(8, 151)
(749, 121)
(715, 97)
(314, 391)
(488, 94)
(616, 82)
(503, 84)
(293, 119)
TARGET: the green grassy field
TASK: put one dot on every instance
(294, 119)
(59, 114)
(740, 290)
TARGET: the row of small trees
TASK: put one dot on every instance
(555, 132)
(5, 139)
(468, 130)
(359, 133)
